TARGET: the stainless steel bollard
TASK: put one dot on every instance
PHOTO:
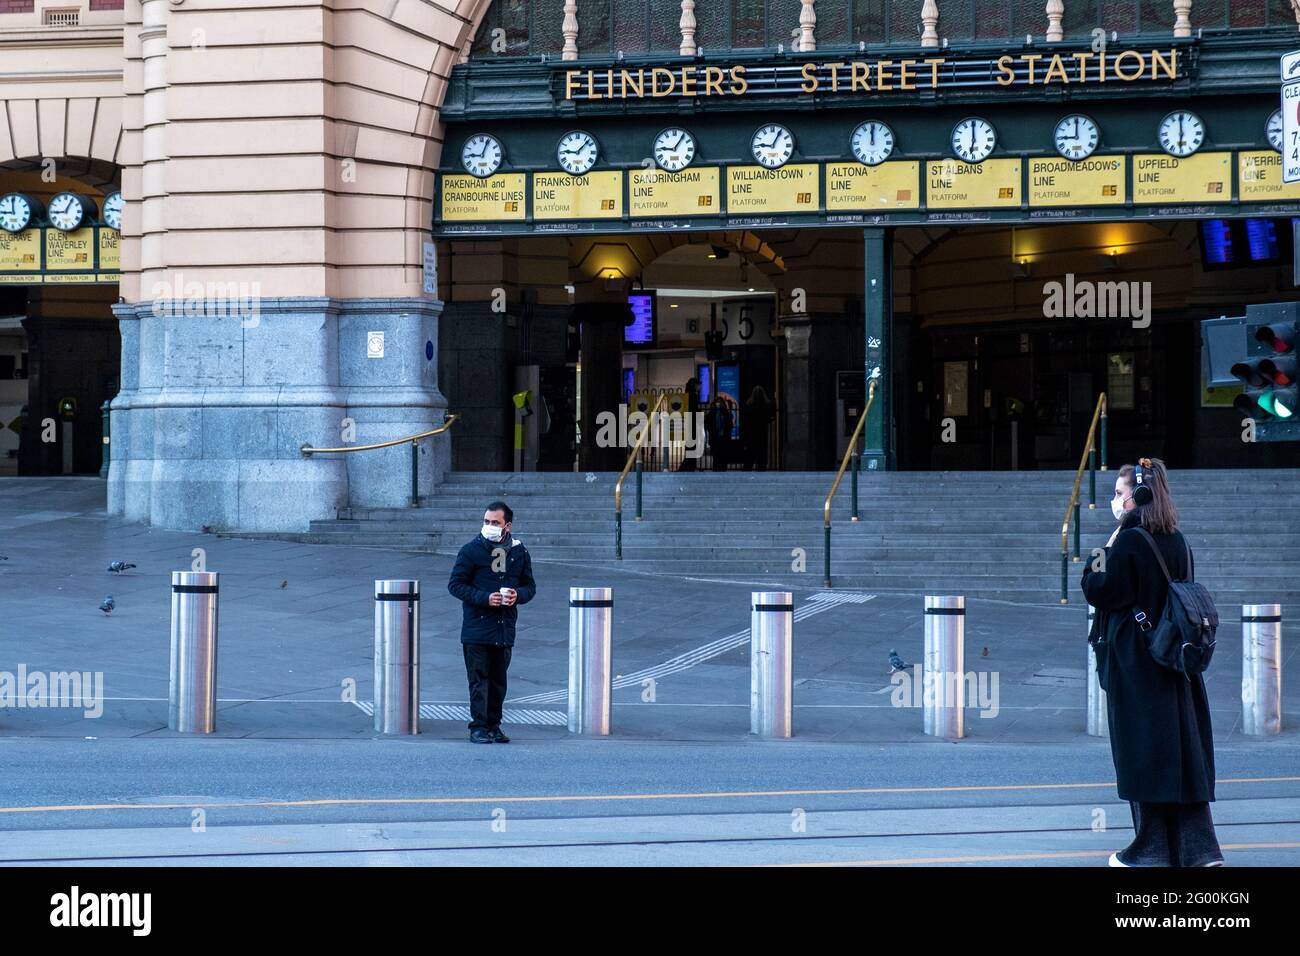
(591, 671)
(397, 657)
(192, 691)
(944, 685)
(771, 664)
(1098, 722)
(1261, 669)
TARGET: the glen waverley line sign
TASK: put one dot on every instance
(848, 77)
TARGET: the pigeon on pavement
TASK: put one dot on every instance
(107, 605)
(117, 567)
(896, 663)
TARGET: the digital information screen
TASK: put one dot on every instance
(642, 330)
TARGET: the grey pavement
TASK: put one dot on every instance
(296, 773)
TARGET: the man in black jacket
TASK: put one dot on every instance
(492, 576)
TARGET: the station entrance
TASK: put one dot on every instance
(999, 340)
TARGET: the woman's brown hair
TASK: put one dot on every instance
(1160, 516)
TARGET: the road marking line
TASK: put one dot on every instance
(598, 797)
(1004, 857)
(816, 604)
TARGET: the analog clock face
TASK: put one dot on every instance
(15, 212)
(872, 142)
(66, 212)
(1274, 130)
(973, 139)
(577, 152)
(1077, 137)
(113, 211)
(1181, 133)
(772, 145)
(674, 149)
(481, 155)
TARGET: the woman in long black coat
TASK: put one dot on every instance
(1160, 736)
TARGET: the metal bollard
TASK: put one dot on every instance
(1261, 669)
(1098, 722)
(192, 692)
(771, 670)
(591, 671)
(944, 700)
(397, 657)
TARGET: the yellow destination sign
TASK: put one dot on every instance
(494, 199)
(1206, 177)
(1098, 181)
(758, 191)
(20, 251)
(853, 186)
(952, 184)
(692, 192)
(110, 252)
(1259, 177)
(70, 251)
(565, 196)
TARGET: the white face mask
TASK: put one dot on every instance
(1117, 508)
(492, 532)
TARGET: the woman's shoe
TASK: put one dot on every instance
(1115, 860)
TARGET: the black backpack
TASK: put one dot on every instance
(1183, 639)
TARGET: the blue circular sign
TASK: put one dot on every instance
(428, 350)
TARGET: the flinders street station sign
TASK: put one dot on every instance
(849, 77)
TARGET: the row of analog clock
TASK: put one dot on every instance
(66, 211)
(1077, 136)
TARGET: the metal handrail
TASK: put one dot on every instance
(850, 452)
(618, 486)
(1089, 459)
(309, 450)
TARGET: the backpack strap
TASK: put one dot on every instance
(1155, 550)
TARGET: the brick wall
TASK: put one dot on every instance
(17, 6)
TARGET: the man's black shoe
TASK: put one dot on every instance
(480, 736)
(498, 736)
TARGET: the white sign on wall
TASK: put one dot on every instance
(430, 269)
(375, 345)
(1291, 117)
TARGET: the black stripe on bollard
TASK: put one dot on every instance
(194, 589)
(592, 603)
(773, 607)
(1275, 619)
(945, 610)
(397, 597)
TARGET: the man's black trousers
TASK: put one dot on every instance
(485, 667)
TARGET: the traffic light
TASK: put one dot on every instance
(1269, 369)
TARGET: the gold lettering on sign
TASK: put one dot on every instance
(880, 75)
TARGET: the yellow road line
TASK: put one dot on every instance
(1005, 857)
(592, 797)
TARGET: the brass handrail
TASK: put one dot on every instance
(450, 420)
(618, 486)
(839, 475)
(1089, 456)
(309, 450)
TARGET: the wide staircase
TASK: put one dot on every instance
(981, 534)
